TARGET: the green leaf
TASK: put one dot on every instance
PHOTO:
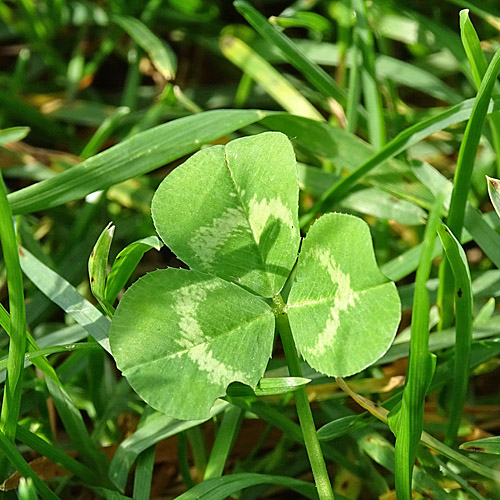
(135, 156)
(232, 211)
(75, 426)
(13, 134)
(407, 418)
(268, 387)
(206, 334)
(161, 55)
(464, 311)
(98, 264)
(125, 263)
(19, 463)
(343, 312)
(275, 84)
(494, 193)
(341, 426)
(222, 487)
(62, 293)
(489, 445)
(314, 73)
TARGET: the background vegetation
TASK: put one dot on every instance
(378, 98)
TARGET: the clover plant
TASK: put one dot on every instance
(230, 213)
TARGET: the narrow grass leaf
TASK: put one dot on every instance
(401, 142)
(373, 101)
(56, 455)
(275, 84)
(76, 429)
(479, 65)
(461, 185)
(13, 134)
(224, 440)
(268, 387)
(341, 426)
(98, 268)
(381, 451)
(494, 193)
(442, 340)
(161, 54)
(11, 402)
(17, 461)
(135, 156)
(464, 303)
(489, 445)
(33, 355)
(125, 263)
(316, 75)
(426, 439)
(406, 420)
(144, 474)
(41, 363)
(472, 47)
(354, 94)
(386, 67)
(108, 494)
(220, 488)
(62, 293)
(103, 133)
(157, 429)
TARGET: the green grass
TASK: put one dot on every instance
(392, 110)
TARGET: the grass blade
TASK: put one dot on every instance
(401, 142)
(316, 75)
(13, 134)
(41, 363)
(103, 133)
(135, 156)
(461, 185)
(144, 474)
(62, 293)
(426, 439)
(373, 101)
(98, 268)
(125, 263)
(18, 462)
(53, 453)
(268, 387)
(220, 488)
(35, 354)
(75, 427)
(464, 302)
(224, 441)
(240, 54)
(161, 55)
(11, 402)
(479, 65)
(406, 420)
(489, 445)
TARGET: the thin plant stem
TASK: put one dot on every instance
(318, 466)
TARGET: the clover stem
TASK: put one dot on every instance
(306, 420)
